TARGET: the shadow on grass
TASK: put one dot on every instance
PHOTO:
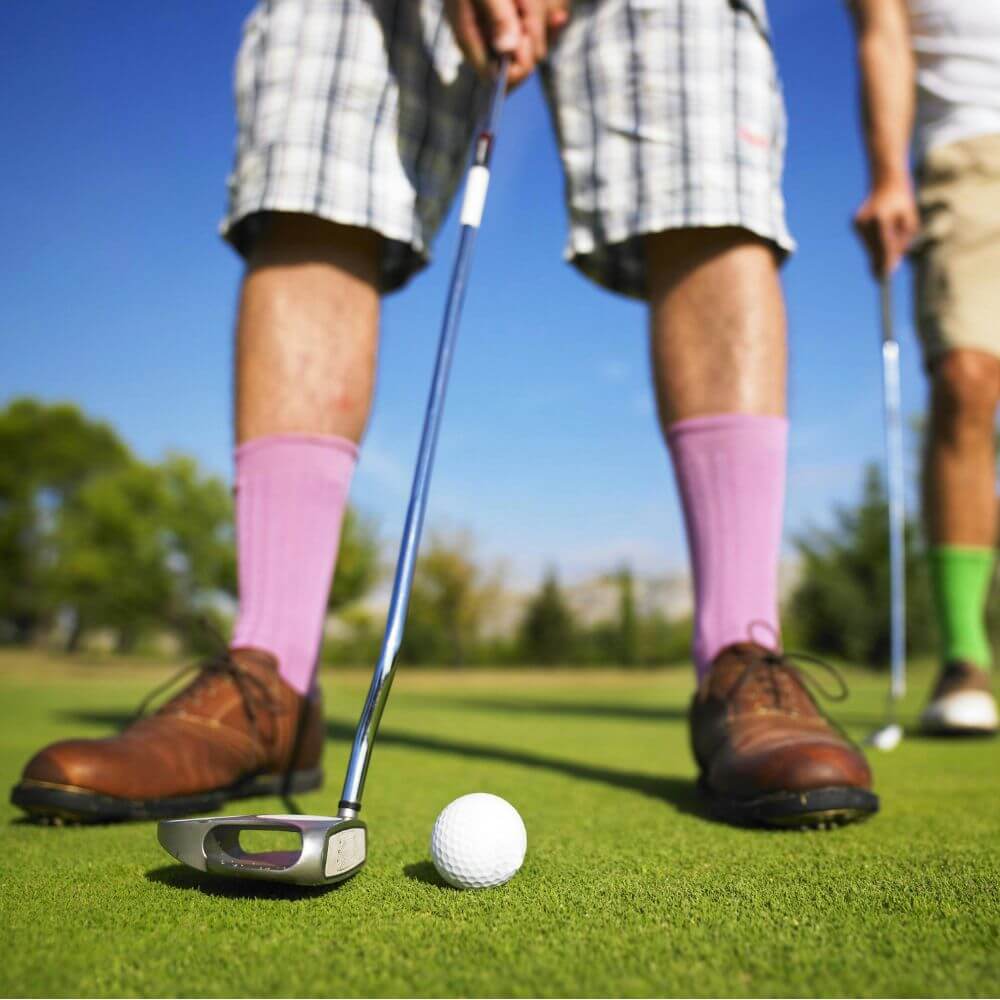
(95, 717)
(678, 792)
(424, 871)
(187, 879)
(623, 710)
(513, 706)
(594, 710)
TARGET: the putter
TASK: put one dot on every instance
(888, 736)
(333, 848)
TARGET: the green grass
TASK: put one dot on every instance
(627, 889)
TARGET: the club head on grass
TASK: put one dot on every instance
(331, 848)
(886, 738)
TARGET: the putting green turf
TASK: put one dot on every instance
(627, 889)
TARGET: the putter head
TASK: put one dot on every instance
(886, 738)
(333, 848)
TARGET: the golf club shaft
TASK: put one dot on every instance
(896, 488)
(472, 207)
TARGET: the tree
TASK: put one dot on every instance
(450, 597)
(841, 603)
(152, 546)
(144, 546)
(198, 519)
(87, 528)
(547, 633)
(628, 625)
(49, 453)
(113, 554)
(359, 562)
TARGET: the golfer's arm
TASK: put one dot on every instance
(885, 60)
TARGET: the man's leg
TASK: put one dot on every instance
(307, 332)
(310, 147)
(248, 725)
(719, 363)
(961, 523)
(682, 207)
(765, 752)
(305, 369)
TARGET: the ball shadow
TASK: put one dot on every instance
(424, 871)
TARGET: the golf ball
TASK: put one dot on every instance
(478, 841)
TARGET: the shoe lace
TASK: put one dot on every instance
(772, 663)
(255, 694)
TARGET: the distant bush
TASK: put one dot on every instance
(93, 540)
(840, 605)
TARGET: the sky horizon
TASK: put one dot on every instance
(118, 295)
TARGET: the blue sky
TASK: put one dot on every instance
(116, 292)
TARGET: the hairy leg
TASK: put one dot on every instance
(960, 504)
(305, 370)
(960, 500)
(307, 334)
(719, 359)
(718, 324)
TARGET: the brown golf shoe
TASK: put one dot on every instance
(235, 731)
(767, 754)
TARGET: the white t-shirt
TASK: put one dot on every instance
(956, 44)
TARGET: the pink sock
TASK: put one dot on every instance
(291, 491)
(730, 471)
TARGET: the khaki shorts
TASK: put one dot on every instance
(958, 255)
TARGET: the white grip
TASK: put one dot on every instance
(475, 196)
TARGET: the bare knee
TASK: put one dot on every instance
(288, 239)
(966, 389)
(675, 254)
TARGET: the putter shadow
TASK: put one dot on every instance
(677, 792)
(188, 880)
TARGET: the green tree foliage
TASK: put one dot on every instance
(112, 565)
(359, 561)
(628, 621)
(144, 546)
(451, 595)
(47, 453)
(86, 528)
(198, 520)
(548, 633)
(841, 603)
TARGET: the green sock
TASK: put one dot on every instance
(961, 577)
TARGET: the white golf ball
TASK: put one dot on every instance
(478, 841)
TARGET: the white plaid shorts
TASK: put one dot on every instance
(668, 114)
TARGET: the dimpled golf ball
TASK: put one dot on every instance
(478, 841)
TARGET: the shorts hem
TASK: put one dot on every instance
(408, 256)
(600, 260)
(933, 353)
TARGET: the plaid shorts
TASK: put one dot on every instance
(668, 114)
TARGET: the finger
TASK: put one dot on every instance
(887, 256)
(503, 25)
(904, 232)
(468, 33)
(533, 21)
(557, 16)
(522, 63)
(867, 231)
